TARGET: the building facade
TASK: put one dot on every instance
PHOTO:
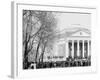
(74, 44)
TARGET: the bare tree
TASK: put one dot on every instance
(48, 22)
(38, 28)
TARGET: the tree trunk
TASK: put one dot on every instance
(25, 66)
(43, 52)
(25, 57)
(37, 52)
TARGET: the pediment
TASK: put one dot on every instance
(81, 33)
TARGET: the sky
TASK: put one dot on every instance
(72, 20)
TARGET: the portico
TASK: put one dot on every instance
(79, 48)
(79, 45)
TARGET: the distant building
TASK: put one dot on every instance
(75, 44)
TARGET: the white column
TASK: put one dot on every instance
(83, 49)
(88, 49)
(67, 51)
(78, 48)
(72, 48)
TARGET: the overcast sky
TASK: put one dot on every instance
(72, 20)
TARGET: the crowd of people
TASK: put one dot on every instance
(68, 63)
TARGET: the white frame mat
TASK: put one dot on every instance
(17, 70)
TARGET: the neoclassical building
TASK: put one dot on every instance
(75, 44)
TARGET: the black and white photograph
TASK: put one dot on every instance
(55, 39)
(52, 40)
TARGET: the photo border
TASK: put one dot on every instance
(16, 32)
